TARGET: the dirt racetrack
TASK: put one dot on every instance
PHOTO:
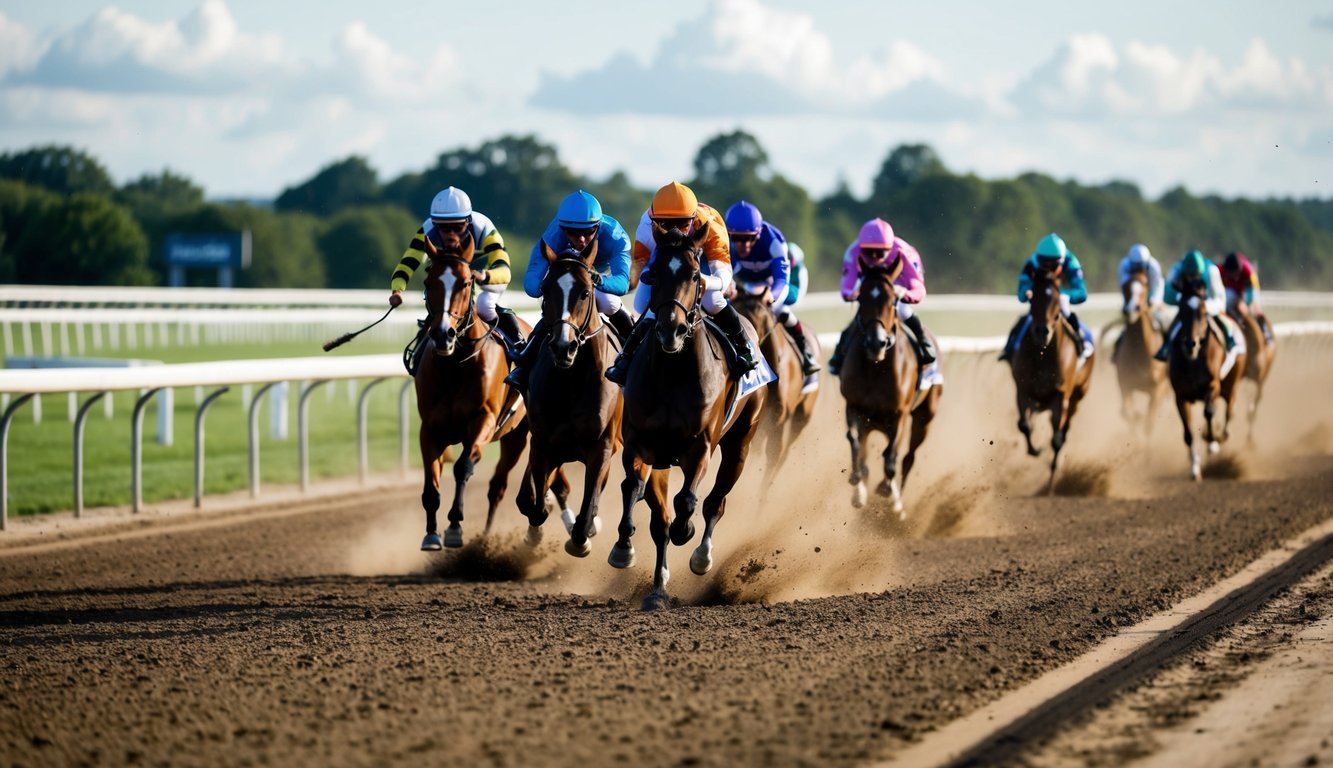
(823, 636)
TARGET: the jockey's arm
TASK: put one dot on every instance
(616, 248)
(779, 270)
(1074, 287)
(1024, 284)
(851, 272)
(412, 259)
(536, 272)
(1215, 300)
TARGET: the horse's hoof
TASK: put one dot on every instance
(621, 557)
(1214, 447)
(453, 536)
(534, 536)
(656, 601)
(1034, 451)
(596, 526)
(578, 550)
(899, 511)
(859, 495)
(701, 561)
(681, 535)
(884, 489)
(567, 517)
(432, 543)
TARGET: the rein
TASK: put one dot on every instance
(464, 322)
(693, 314)
(580, 331)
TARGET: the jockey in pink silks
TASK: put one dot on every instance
(877, 247)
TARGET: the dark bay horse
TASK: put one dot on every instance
(461, 394)
(880, 387)
(789, 408)
(1046, 370)
(1135, 367)
(1259, 354)
(676, 400)
(573, 411)
(1194, 363)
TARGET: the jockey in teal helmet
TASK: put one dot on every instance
(578, 223)
(1051, 253)
(759, 257)
(1193, 267)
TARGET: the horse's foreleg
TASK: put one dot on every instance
(1253, 411)
(532, 496)
(1209, 430)
(859, 469)
(432, 462)
(694, 465)
(889, 485)
(560, 490)
(657, 527)
(921, 418)
(512, 446)
(1025, 425)
(631, 489)
(735, 447)
(596, 470)
(1183, 408)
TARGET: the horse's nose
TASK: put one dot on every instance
(680, 332)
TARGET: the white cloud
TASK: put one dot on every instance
(742, 58)
(1088, 77)
(18, 48)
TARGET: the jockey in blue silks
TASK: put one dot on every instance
(577, 223)
(1051, 253)
(759, 256)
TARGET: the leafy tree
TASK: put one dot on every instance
(64, 170)
(83, 240)
(283, 250)
(347, 183)
(163, 194)
(361, 246)
(20, 205)
(906, 165)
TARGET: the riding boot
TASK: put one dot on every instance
(839, 350)
(1080, 343)
(1264, 327)
(924, 348)
(622, 323)
(412, 352)
(809, 364)
(730, 322)
(527, 357)
(619, 370)
(507, 322)
(1008, 352)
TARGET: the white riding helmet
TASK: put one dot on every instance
(451, 204)
(1138, 254)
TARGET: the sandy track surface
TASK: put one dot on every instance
(824, 635)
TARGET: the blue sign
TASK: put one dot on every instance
(221, 250)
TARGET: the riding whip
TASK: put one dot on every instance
(346, 337)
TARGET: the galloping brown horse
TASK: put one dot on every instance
(461, 395)
(880, 387)
(1258, 358)
(789, 407)
(1135, 367)
(573, 411)
(1046, 369)
(677, 397)
(1194, 363)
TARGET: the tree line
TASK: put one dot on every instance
(63, 221)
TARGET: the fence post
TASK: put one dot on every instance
(199, 445)
(303, 432)
(4, 455)
(80, 421)
(254, 436)
(136, 450)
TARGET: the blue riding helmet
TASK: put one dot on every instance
(579, 210)
(744, 218)
(1051, 248)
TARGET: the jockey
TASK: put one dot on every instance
(1051, 253)
(1195, 266)
(1139, 259)
(877, 246)
(759, 255)
(675, 207)
(1242, 285)
(578, 222)
(451, 211)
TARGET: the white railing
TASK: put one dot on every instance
(23, 385)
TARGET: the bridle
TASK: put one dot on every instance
(889, 275)
(580, 331)
(693, 313)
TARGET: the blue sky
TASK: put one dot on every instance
(249, 96)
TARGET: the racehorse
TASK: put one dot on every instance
(880, 386)
(1047, 373)
(573, 411)
(678, 395)
(1194, 363)
(1135, 367)
(789, 408)
(461, 394)
(1258, 358)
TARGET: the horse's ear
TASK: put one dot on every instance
(590, 253)
(699, 234)
(548, 252)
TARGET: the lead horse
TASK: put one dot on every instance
(1047, 372)
(880, 386)
(461, 394)
(1194, 363)
(1136, 369)
(677, 397)
(790, 406)
(573, 411)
